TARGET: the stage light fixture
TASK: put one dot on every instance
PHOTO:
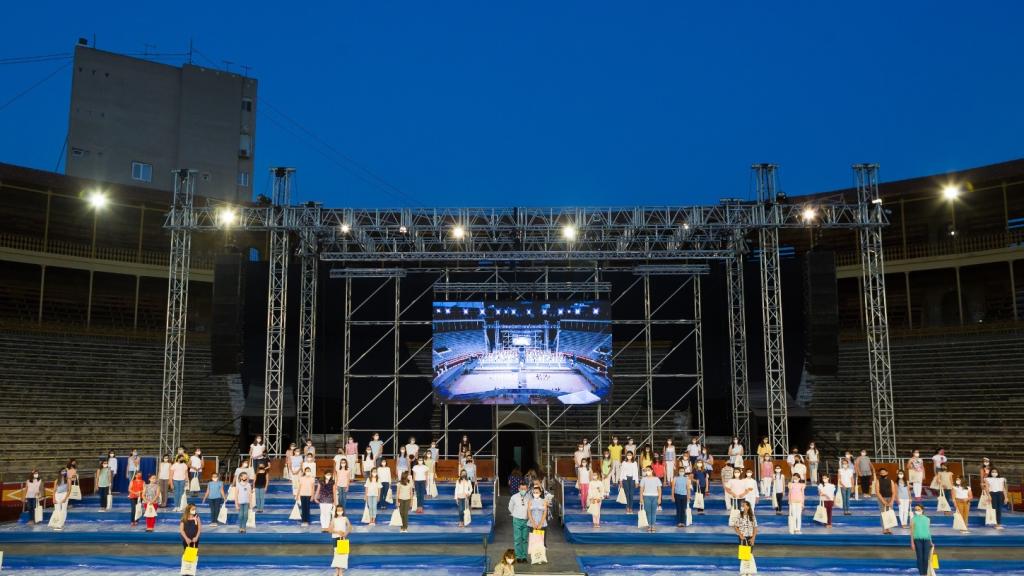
(402, 229)
(345, 228)
(458, 232)
(951, 192)
(98, 200)
(808, 214)
(876, 201)
(226, 216)
(569, 232)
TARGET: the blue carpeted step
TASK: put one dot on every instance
(768, 518)
(722, 565)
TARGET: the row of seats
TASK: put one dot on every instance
(582, 343)
(459, 344)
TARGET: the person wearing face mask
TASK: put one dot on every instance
(151, 502)
(257, 450)
(997, 491)
(827, 490)
(693, 450)
(736, 453)
(538, 516)
(885, 494)
(681, 488)
(583, 472)
(650, 491)
(325, 494)
(179, 476)
(384, 477)
(307, 489)
(519, 508)
(630, 473)
(915, 473)
(112, 464)
(463, 490)
(846, 485)
(865, 473)
(921, 540)
(748, 488)
(595, 496)
(215, 494)
(376, 446)
(190, 527)
(812, 462)
(33, 489)
(767, 467)
(903, 499)
(103, 482)
(764, 448)
(796, 503)
(702, 485)
(260, 487)
(506, 566)
(344, 480)
(615, 453)
(135, 488)
(163, 476)
(419, 478)
(195, 468)
(962, 496)
(243, 497)
(133, 463)
(778, 489)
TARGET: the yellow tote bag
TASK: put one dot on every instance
(743, 553)
(538, 532)
(341, 547)
(935, 561)
(191, 554)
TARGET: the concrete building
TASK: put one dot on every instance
(132, 121)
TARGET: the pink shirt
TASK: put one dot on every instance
(796, 492)
(343, 478)
(352, 448)
(767, 469)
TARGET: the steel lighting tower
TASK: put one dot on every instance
(771, 307)
(277, 306)
(872, 217)
(738, 343)
(181, 220)
(309, 256)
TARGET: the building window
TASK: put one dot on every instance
(244, 145)
(243, 178)
(142, 172)
(246, 104)
(77, 152)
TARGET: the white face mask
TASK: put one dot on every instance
(917, 512)
(511, 560)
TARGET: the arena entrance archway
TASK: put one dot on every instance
(517, 447)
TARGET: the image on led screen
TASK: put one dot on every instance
(522, 352)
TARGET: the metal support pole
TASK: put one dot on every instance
(771, 309)
(875, 310)
(395, 344)
(647, 357)
(698, 349)
(277, 307)
(307, 326)
(738, 348)
(181, 219)
(346, 359)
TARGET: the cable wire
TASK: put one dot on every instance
(38, 83)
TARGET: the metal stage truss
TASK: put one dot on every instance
(472, 252)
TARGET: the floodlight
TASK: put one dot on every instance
(227, 216)
(97, 199)
(569, 232)
(345, 228)
(458, 232)
(951, 192)
(808, 214)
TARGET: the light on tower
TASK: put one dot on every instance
(951, 192)
(345, 228)
(458, 232)
(227, 216)
(569, 232)
(808, 214)
(97, 199)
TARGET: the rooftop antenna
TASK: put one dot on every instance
(245, 70)
(189, 49)
(227, 65)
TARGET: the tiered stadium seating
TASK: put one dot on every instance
(963, 393)
(459, 344)
(79, 396)
(581, 343)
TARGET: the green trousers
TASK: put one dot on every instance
(521, 535)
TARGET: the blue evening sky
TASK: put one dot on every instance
(565, 103)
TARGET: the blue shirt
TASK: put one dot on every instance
(215, 487)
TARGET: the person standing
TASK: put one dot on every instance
(163, 475)
(798, 466)
(133, 463)
(681, 486)
(736, 453)
(179, 476)
(796, 503)
(151, 502)
(702, 484)
(103, 483)
(190, 527)
(243, 499)
(419, 478)
(846, 485)
(578, 455)
(376, 446)
(135, 488)
(506, 565)
(915, 473)
(748, 488)
(345, 478)
(326, 497)
(778, 489)
(61, 494)
(538, 518)
(921, 540)
(962, 496)
(903, 499)
(403, 494)
(372, 489)
(865, 473)
(412, 449)
(351, 452)
(885, 494)
(306, 487)
(260, 486)
(195, 468)
(583, 481)
(463, 490)
(997, 491)
(518, 507)
(764, 448)
(615, 453)
(766, 475)
(746, 530)
(257, 451)
(630, 474)
(112, 464)
(594, 497)
(33, 492)
(384, 477)
(827, 491)
(938, 462)
(693, 450)
(812, 462)
(340, 529)
(650, 492)
(669, 452)
(309, 450)
(215, 493)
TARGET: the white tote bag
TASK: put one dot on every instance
(990, 517)
(958, 523)
(476, 501)
(594, 508)
(820, 514)
(837, 502)
(250, 522)
(943, 505)
(150, 511)
(748, 567)
(621, 498)
(396, 518)
(641, 517)
(734, 516)
(222, 516)
(467, 518)
(76, 492)
(193, 485)
(698, 501)
(390, 499)
(985, 502)
(432, 488)
(689, 517)
(231, 493)
(37, 514)
(889, 519)
(296, 513)
(140, 509)
(58, 516)
(366, 515)
(110, 501)
(189, 568)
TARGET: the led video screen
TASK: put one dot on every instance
(522, 352)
